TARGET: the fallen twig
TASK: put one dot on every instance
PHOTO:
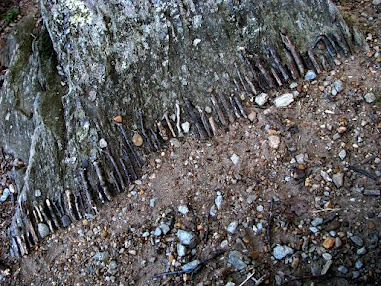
(268, 231)
(326, 210)
(247, 279)
(363, 172)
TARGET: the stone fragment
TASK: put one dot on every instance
(181, 250)
(327, 256)
(329, 242)
(261, 99)
(333, 225)
(369, 97)
(372, 192)
(310, 75)
(359, 264)
(376, 2)
(102, 143)
(101, 256)
(337, 87)
(325, 176)
(235, 159)
(164, 228)
(137, 139)
(317, 221)
(184, 237)
(361, 251)
(338, 242)
(281, 251)
(190, 266)
(157, 231)
(43, 230)
(284, 100)
(342, 269)
(357, 240)
(274, 141)
(185, 126)
(183, 209)
(342, 154)
(232, 226)
(338, 179)
(252, 116)
(235, 258)
(113, 265)
(326, 267)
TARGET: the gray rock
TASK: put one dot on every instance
(281, 251)
(369, 97)
(355, 274)
(342, 269)
(342, 154)
(361, 251)
(284, 100)
(101, 256)
(164, 228)
(232, 226)
(43, 230)
(261, 99)
(235, 258)
(338, 179)
(310, 75)
(314, 229)
(184, 237)
(5, 195)
(65, 221)
(316, 270)
(185, 126)
(376, 2)
(317, 221)
(357, 240)
(274, 141)
(183, 209)
(337, 87)
(359, 264)
(327, 256)
(218, 201)
(326, 267)
(181, 250)
(157, 231)
(191, 265)
(102, 143)
(325, 176)
(113, 265)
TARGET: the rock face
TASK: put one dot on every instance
(119, 58)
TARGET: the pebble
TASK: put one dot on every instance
(327, 256)
(357, 240)
(325, 176)
(317, 221)
(338, 179)
(164, 228)
(101, 256)
(314, 229)
(281, 252)
(338, 242)
(274, 141)
(183, 209)
(65, 221)
(329, 242)
(137, 139)
(232, 226)
(359, 264)
(235, 159)
(260, 208)
(261, 99)
(361, 251)
(326, 267)
(184, 237)
(342, 269)
(185, 126)
(310, 75)
(333, 225)
(102, 143)
(252, 116)
(5, 195)
(113, 265)
(376, 2)
(43, 230)
(284, 100)
(355, 274)
(342, 154)
(369, 97)
(157, 231)
(337, 87)
(191, 265)
(37, 193)
(235, 258)
(181, 250)
(218, 201)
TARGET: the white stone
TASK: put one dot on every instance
(185, 126)
(284, 100)
(369, 97)
(235, 159)
(232, 227)
(274, 141)
(376, 2)
(183, 209)
(261, 99)
(281, 252)
(102, 143)
(342, 154)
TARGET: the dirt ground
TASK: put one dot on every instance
(291, 197)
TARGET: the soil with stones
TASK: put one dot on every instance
(289, 197)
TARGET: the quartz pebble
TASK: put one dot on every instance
(185, 126)
(284, 100)
(235, 159)
(310, 75)
(43, 230)
(184, 237)
(338, 179)
(369, 97)
(274, 141)
(232, 226)
(317, 221)
(183, 209)
(261, 99)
